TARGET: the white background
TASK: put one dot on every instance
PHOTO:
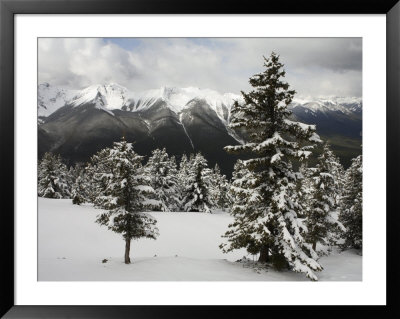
(372, 290)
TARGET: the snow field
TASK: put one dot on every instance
(71, 247)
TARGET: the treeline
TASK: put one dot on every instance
(190, 186)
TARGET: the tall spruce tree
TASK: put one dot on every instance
(268, 223)
(53, 178)
(351, 215)
(125, 193)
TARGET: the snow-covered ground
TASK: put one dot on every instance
(72, 247)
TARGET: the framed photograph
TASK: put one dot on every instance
(171, 154)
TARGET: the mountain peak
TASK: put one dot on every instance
(106, 96)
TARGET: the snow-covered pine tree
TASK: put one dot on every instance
(95, 181)
(53, 177)
(174, 202)
(164, 180)
(243, 197)
(77, 180)
(304, 187)
(197, 197)
(78, 191)
(269, 223)
(338, 173)
(183, 173)
(75, 171)
(322, 201)
(219, 186)
(351, 215)
(125, 195)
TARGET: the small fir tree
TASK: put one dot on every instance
(220, 187)
(323, 207)
(337, 171)
(95, 181)
(174, 200)
(78, 191)
(53, 177)
(351, 215)
(183, 174)
(197, 197)
(164, 180)
(242, 195)
(124, 191)
(74, 171)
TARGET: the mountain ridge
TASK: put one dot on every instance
(114, 96)
(184, 120)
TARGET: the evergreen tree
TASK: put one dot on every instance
(351, 215)
(79, 183)
(338, 173)
(304, 188)
(183, 174)
(75, 171)
(95, 181)
(53, 177)
(219, 186)
(164, 180)
(268, 223)
(242, 196)
(197, 197)
(323, 207)
(78, 191)
(124, 191)
(174, 201)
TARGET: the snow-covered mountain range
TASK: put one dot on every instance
(77, 123)
(112, 96)
(345, 105)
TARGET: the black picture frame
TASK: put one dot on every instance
(9, 8)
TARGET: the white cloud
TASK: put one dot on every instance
(327, 66)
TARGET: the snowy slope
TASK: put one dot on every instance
(178, 99)
(72, 247)
(51, 98)
(110, 96)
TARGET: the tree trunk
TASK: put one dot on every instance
(127, 250)
(264, 254)
(314, 245)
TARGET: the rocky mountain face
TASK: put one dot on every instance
(76, 124)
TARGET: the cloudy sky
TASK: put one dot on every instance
(314, 66)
